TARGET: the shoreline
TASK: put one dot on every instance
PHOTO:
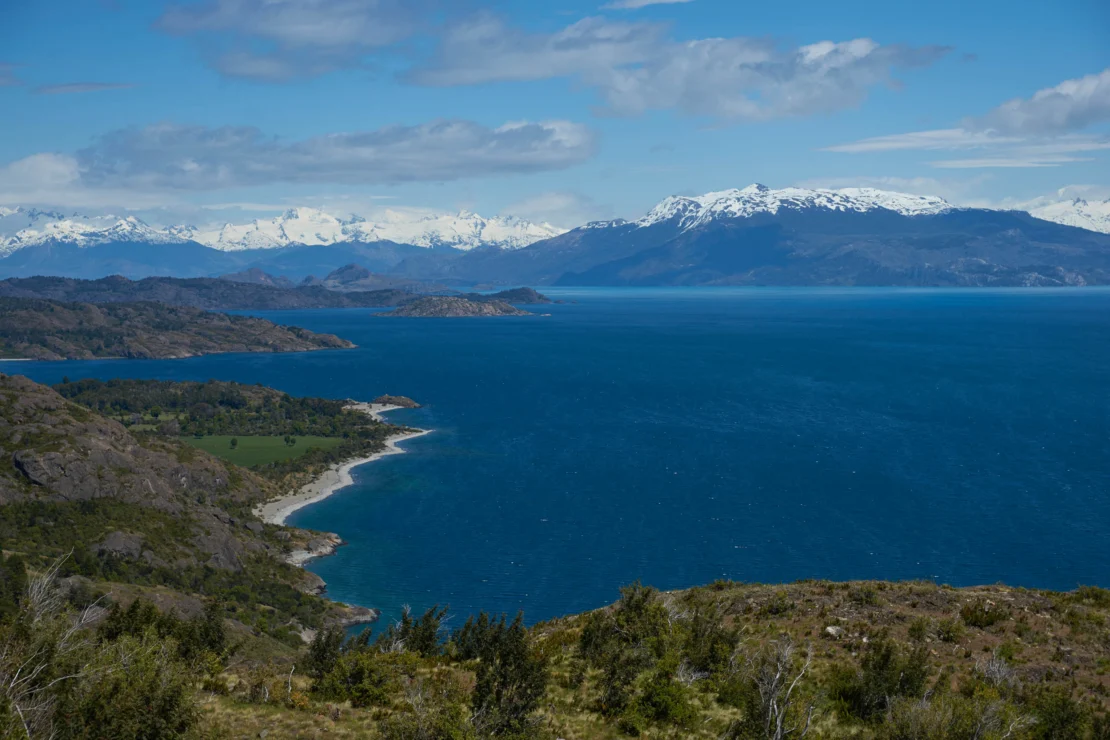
(335, 478)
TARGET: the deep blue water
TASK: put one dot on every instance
(678, 436)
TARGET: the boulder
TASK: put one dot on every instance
(120, 544)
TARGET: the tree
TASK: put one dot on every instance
(885, 672)
(767, 687)
(155, 412)
(324, 652)
(511, 681)
(58, 680)
(420, 636)
(234, 442)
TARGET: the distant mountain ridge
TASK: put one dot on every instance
(1081, 213)
(750, 236)
(20, 227)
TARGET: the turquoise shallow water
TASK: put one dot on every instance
(678, 436)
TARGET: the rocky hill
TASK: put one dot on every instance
(454, 307)
(136, 505)
(52, 330)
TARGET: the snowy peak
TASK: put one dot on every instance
(20, 227)
(699, 210)
(312, 227)
(462, 230)
(23, 227)
(1094, 216)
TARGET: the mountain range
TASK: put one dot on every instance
(750, 236)
(25, 227)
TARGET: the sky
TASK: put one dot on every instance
(555, 110)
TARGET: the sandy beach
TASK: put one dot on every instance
(335, 477)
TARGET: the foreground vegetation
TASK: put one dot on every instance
(889, 661)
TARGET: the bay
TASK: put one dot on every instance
(678, 436)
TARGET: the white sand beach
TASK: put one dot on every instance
(336, 477)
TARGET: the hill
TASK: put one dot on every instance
(136, 505)
(53, 330)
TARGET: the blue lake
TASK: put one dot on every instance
(679, 436)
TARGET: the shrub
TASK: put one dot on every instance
(950, 630)
(983, 614)
(134, 689)
(1059, 715)
(366, 678)
(919, 629)
(885, 672)
(666, 700)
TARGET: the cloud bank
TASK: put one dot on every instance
(1044, 130)
(169, 157)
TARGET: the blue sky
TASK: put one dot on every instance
(562, 111)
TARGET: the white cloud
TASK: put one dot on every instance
(1040, 131)
(278, 40)
(1013, 162)
(951, 138)
(80, 87)
(563, 209)
(7, 75)
(51, 179)
(486, 49)
(170, 157)
(635, 68)
(637, 4)
(1072, 105)
(753, 80)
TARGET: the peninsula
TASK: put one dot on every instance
(54, 330)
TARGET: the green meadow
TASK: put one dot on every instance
(251, 451)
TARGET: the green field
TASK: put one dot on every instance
(259, 450)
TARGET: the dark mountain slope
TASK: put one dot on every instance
(958, 248)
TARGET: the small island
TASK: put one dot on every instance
(454, 307)
(38, 329)
(401, 402)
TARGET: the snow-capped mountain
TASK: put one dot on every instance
(298, 226)
(1094, 216)
(754, 199)
(309, 226)
(24, 227)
